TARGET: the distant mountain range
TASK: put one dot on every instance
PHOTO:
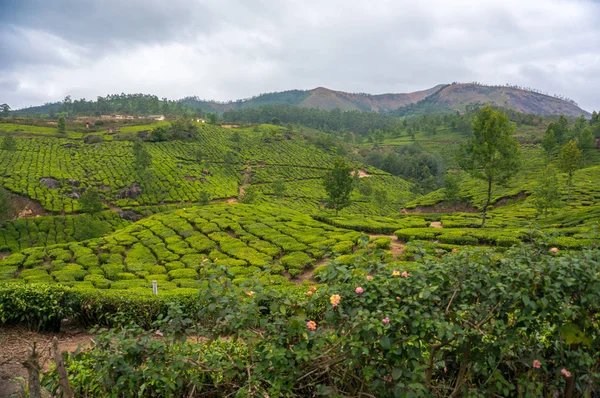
(438, 99)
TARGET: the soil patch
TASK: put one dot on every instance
(396, 247)
(25, 207)
(521, 196)
(363, 174)
(15, 345)
(436, 224)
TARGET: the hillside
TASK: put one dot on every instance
(456, 97)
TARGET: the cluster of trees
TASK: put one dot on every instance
(410, 162)
(335, 120)
(180, 129)
(559, 133)
(128, 104)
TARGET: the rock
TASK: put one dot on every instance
(73, 182)
(203, 180)
(50, 182)
(70, 146)
(206, 172)
(129, 215)
(132, 192)
(143, 134)
(73, 195)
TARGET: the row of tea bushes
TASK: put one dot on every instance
(173, 248)
(23, 233)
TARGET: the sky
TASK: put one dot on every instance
(232, 49)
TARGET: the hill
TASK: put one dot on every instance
(457, 97)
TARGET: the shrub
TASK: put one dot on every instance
(40, 307)
(183, 273)
(296, 260)
(343, 247)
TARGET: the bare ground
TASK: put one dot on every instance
(15, 345)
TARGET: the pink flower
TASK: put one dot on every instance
(565, 373)
(405, 274)
(454, 250)
(369, 277)
(335, 299)
(359, 290)
(554, 250)
(385, 320)
(311, 325)
(536, 364)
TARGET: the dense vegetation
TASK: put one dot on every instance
(333, 274)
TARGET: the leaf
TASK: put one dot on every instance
(396, 373)
(385, 342)
(573, 335)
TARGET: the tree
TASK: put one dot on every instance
(212, 118)
(279, 189)
(250, 195)
(5, 108)
(546, 195)
(143, 159)
(90, 201)
(451, 187)
(585, 141)
(9, 143)
(203, 198)
(61, 125)
(338, 184)
(380, 199)
(560, 128)
(570, 159)
(235, 137)
(549, 143)
(492, 153)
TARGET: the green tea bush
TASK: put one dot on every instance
(296, 260)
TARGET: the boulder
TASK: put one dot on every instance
(50, 182)
(129, 215)
(132, 192)
(73, 182)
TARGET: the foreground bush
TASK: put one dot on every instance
(468, 324)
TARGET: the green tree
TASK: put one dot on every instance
(90, 201)
(338, 184)
(5, 110)
(212, 118)
(585, 141)
(570, 160)
(380, 200)
(250, 195)
(236, 137)
(230, 157)
(203, 198)
(546, 194)
(451, 187)
(279, 189)
(492, 153)
(143, 159)
(365, 188)
(61, 125)
(9, 143)
(549, 143)
(560, 128)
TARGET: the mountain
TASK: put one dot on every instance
(457, 97)
(439, 99)
(321, 98)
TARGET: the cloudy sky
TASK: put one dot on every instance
(230, 49)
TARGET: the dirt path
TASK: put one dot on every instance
(247, 177)
(15, 346)
(436, 224)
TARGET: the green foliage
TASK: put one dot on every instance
(303, 340)
(203, 198)
(9, 143)
(546, 192)
(279, 189)
(250, 195)
(90, 201)
(338, 184)
(5, 207)
(61, 125)
(492, 154)
(451, 187)
(570, 159)
(143, 159)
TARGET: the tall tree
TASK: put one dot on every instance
(549, 143)
(339, 183)
(5, 110)
(61, 125)
(546, 194)
(570, 160)
(143, 159)
(560, 128)
(492, 153)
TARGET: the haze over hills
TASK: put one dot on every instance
(443, 98)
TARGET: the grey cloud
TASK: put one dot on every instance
(231, 49)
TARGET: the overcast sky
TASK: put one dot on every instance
(230, 49)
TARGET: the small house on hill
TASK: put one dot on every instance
(157, 117)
